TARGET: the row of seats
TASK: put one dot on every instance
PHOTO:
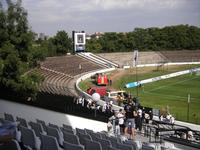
(71, 65)
(39, 136)
(181, 56)
(54, 83)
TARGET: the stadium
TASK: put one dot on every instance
(79, 100)
(63, 76)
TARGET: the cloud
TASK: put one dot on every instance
(106, 15)
(93, 5)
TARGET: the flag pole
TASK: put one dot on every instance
(135, 62)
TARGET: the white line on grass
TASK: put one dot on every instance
(171, 96)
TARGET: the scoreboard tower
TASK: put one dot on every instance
(78, 41)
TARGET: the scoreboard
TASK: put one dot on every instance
(79, 41)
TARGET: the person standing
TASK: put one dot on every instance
(139, 119)
(130, 114)
(120, 115)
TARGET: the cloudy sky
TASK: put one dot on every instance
(49, 16)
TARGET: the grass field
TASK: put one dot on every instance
(171, 93)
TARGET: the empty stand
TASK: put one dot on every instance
(126, 58)
(54, 83)
(59, 71)
(181, 56)
(70, 65)
(99, 60)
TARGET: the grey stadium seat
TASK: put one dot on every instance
(124, 146)
(67, 130)
(22, 122)
(113, 141)
(29, 138)
(55, 132)
(80, 131)
(112, 148)
(71, 138)
(88, 131)
(42, 123)
(9, 117)
(92, 145)
(83, 137)
(37, 127)
(135, 144)
(57, 127)
(70, 146)
(12, 145)
(67, 127)
(49, 143)
(104, 143)
(95, 136)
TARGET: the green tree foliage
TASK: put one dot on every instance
(168, 38)
(93, 45)
(14, 28)
(15, 53)
(59, 44)
(62, 43)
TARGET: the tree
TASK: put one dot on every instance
(93, 45)
(3, 27)
(15, 44)
(156, 39)
(62, 42)
(14, 28)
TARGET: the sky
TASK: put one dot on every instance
(50, 16)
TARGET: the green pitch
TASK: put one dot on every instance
(173, 93)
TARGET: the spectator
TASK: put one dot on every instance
(109, 127)
(161, 117)
(120, 115)
(130, 113)
(147, 118)
(139, 120)
(115, 122)
(143, 114)
(172, 120)
(110, 82)
(190, 136)
(104, 107)
(183, 136)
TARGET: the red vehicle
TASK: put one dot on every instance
(102, 79)
(100, 90)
